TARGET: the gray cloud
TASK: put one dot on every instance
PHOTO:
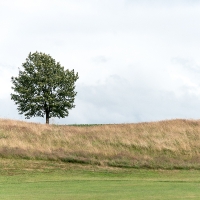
(119, 101)
(189, 65)
(100, 59)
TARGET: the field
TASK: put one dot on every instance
(157, 160)
(22, 179)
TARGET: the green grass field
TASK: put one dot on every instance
(22, 179)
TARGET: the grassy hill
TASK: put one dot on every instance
(173, 144)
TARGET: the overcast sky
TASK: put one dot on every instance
(137, 60)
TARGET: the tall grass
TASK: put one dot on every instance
(164, 144)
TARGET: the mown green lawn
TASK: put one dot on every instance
(111, 184)
(106, 189)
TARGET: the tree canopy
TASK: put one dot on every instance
(44, 87)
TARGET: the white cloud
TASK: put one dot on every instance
(137, 60)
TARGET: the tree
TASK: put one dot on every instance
(44, 87)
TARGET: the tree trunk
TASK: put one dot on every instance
(47, 117)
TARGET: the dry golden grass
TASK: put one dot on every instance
(164, 144)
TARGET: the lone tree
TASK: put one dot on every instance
(44, 87)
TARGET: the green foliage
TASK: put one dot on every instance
(44, 87)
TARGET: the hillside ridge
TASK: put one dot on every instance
(169, 144)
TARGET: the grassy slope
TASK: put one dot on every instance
(170, 144)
